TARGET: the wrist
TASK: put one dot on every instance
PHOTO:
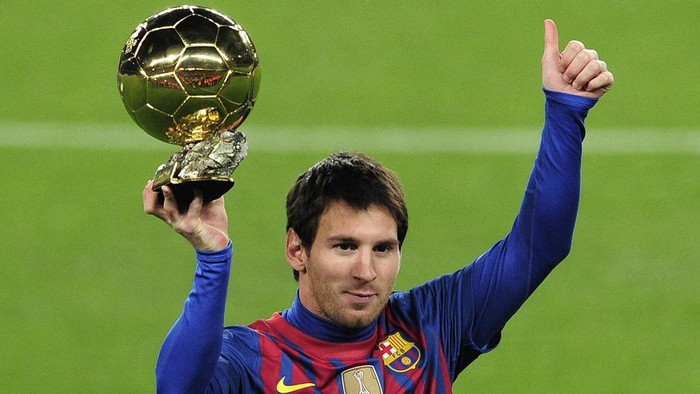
(207, 239)
(211, 245)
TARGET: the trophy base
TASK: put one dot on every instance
(206, 165)
(184, 191)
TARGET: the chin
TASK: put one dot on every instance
(356, 322)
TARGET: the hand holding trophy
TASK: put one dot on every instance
(189, 76)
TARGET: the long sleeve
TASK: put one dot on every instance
(469, 308)
(541, 236)
(191, 349)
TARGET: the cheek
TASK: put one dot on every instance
(325, 268)
(390, 271)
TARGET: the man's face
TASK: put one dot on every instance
(349, 273)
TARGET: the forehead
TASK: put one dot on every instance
(340, 219)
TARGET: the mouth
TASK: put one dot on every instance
(361, 297)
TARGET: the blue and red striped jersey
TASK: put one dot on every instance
(403, 352)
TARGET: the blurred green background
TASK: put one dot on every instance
(91, 285)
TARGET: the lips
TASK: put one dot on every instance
(361, 297)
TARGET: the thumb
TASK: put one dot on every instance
(551, 44)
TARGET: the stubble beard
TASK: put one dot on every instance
(351, 316)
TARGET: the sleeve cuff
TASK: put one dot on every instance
(220, 256)
(570, 99)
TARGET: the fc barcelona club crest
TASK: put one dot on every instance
(361, 380)
(398, 354)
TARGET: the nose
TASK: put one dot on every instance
(363, 270)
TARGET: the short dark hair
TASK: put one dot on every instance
(352, 178)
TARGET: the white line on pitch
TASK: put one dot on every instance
(384, 139)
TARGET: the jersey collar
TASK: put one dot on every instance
(306, 321)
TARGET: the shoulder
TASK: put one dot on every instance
(432, 290)
(256, 330)
(435, 300)
(245, 346)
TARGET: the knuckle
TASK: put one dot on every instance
(611, 78)
(576, 45)
(569, 76)
(587, 56)
(595, 68)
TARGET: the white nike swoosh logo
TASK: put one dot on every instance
(283, 388)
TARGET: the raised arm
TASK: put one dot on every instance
(191, 349)
(542, 233)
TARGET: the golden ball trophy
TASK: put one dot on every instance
(189, 76)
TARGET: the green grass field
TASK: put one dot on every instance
(91, 285)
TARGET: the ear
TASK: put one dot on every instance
(296, 254)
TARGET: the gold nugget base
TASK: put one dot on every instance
(206, 165)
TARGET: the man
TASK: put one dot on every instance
(347, 331)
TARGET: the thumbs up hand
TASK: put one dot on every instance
(577, 70)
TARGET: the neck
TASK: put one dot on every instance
(306, 321)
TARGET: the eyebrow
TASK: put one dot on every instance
(343, 239)
(353, 240)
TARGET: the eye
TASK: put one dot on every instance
(345, 246)
(384, 248)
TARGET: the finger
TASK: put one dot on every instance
(217, 202)
(170, 203)
(601, 83)
(589, 72)
(578, 64)
(551, 41)
(150, 199)
(573, 48)
(196, 204)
